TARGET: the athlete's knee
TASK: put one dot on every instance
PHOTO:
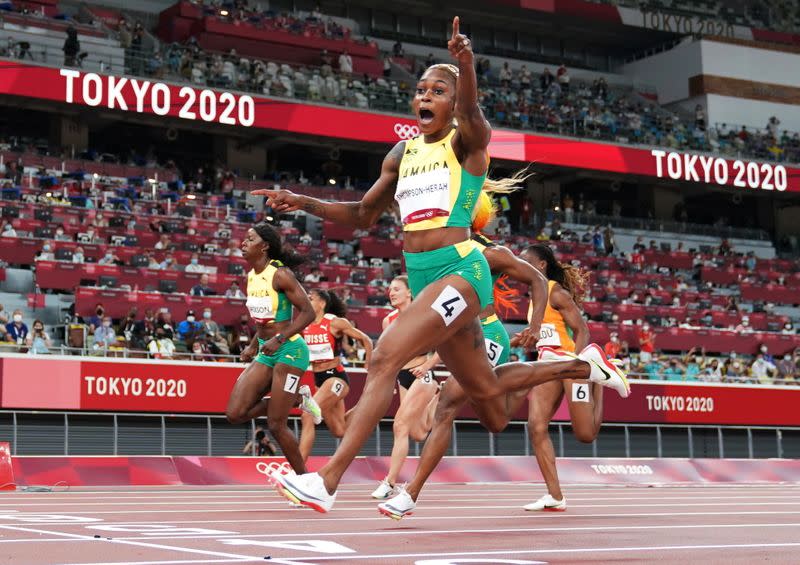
(276, 426)
(418, 435)
(236, 415)
(335, 428)
(539, 431)
(584, 434)
(400, 426)
(495, 424)
(386, 361)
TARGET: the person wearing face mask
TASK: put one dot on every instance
(46, 254)
(241, 336)
(96, 319)
(612, 346)
(104, 336)
(762, 371)
(216, 343)
(190, 329)
(234, 291)
(91, 236)
(713, 372)
(744, 326)
(194, 265)
(693, 363)
(647, 343)
(786, 369)
(16, 330)
(9, 231)
(77, 256)
(161, 345)
(169, 263)
(734, 370)
(109, 259)
(38, 341)
(788, 329)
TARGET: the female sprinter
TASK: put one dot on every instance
(564, 331)
(281, 355)
(417, 395)
(436, 179)
(329, 326)
(502, 262)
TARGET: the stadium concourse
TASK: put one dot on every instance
(663, 144)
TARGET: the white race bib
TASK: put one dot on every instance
(260, 308)
(424, 196)
(493, 350)
(548, 336)
(320, 352)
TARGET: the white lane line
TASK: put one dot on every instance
(439, 497)
(408, 532)
(234, 556)
(171, 562)
(514, 552)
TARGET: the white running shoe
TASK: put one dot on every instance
(310, 405)
(398, 506)
(384, 490)
(550, 354)
(548, 504)
(604, 371)
(308, 490)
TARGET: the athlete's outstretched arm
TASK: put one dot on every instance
(474, 132)
(561, 301)
(361, 214)
(501, 259)
(343, 326)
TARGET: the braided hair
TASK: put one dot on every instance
(573, 279)
(276, 250)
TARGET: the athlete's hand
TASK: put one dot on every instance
(420, 370)
(279, 200)
(527, 338)
(460, 46)
(270, 347)
(248, 353)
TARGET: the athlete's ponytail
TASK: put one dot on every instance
(276, 251)
(333, 303)
(573, 280)
(506, 185)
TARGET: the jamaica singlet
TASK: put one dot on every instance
(264, 303)
(433, 189)
(554, 332)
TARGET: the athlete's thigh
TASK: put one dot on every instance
(285, 381)
(464, 354)
(543, 402)
(441, 309)
(331, 392)
(417, 398)
(253, 383)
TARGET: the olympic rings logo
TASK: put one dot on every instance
(405, 131)
(268, 468)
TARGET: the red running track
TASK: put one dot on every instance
(454, 524)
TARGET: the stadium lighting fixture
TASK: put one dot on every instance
(332, 181)
(191, 196)
(223, 12)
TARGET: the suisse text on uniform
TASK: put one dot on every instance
(703, 168)
(207, 105)
(134, 386)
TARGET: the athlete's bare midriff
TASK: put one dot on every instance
(432, 239)
(268, 330)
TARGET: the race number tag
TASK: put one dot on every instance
(548, 336)
(291, 383)
(493, 350)
(337, 388)
(449, 304)
(580, 392)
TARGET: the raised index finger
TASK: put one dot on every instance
(455, 27)
(264, 192)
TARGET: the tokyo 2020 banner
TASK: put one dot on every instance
(121, 385)
(234, 109)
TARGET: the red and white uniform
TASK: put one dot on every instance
(392, 316)
(320, 339)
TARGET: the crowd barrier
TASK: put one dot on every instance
(166, 471)
(178, 387)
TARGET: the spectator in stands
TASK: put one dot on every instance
(505, 75)
(194, 265)
(762, 370)
(104, 336)
(145, 328)
(96, 320)
(202, 288)
(314, 276)
(397, 49)
(190, 329)
(786, 368)
(647, 343)
(788, 329)
(109, 259)
(47, 252)
(234, 291)
(163, 242)
(612, 346)
(735, 369)
(71, 47)
(597, 242)
(161, 345)
(725, 248)
(562, 74)
(387, 66)
(38, 341)
(525, 77)
(713, 372)
(16, 330)
(241, 335)
(542, 235)
(608, 240)
(693, 363)
(169, 263)
(674, 371)
(9, 231)
(214, 338)
(546, 80)
(652, 367)
(3, 318)
(346, 63)
(699, 118)
(90, 236)
(732, 305)
(233, 249)
(127, 328)
(744, 325)
(61, 236)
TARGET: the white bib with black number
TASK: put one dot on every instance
(493, 350)
(548, 336)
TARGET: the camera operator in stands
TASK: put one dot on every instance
(260, 445)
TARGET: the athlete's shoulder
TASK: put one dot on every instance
(329, 317)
